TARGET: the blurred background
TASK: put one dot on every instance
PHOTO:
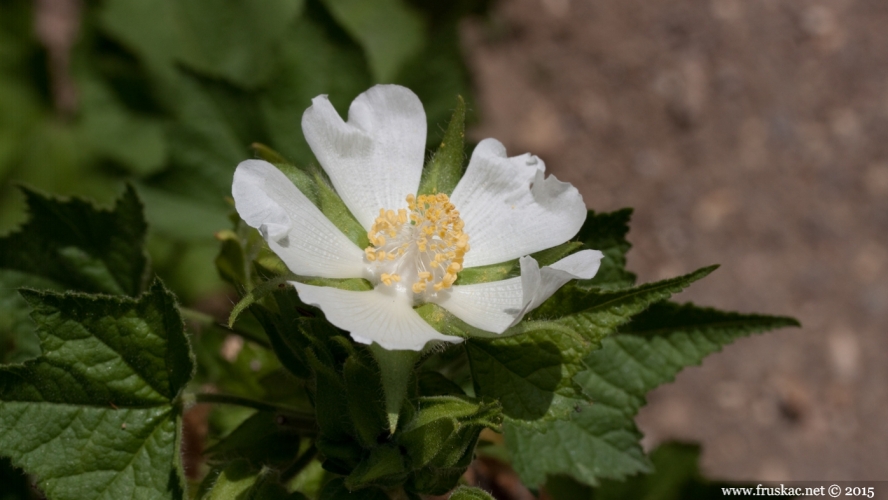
(750, 133)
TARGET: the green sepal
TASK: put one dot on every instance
(383, 468)
(335, 210)
(268, 154)
(241, 481)
(464, 492)
(445, 169)
(512, 268)
(396, 373)
(436, 434)
(313, 183)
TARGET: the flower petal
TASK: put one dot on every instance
(375, 160)
(497, 305)
(490, 306)
(373, 316)
(540, 284)
(510, 209)
(307, 242)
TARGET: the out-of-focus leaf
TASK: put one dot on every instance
(389, 31)
(137, 143)
(314, 61)
(231, 39)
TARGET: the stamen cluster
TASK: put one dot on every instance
(424, 247)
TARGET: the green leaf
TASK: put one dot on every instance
(366, 400)
(96, 416)
(464, 492)
(240, 481)
(135, 142)
(531, 368)
(607, 232)
(19, 341)
(389, 31)
(234, 40)
(336, 490)
(595, 441)
(270, 438)
(676, 476)
(528, 372)
(445, 169)
(596, 314)
(80, 247)
(315, 59)
(656, 346)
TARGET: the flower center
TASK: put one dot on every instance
(422, 248)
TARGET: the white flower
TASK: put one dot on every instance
(503, 208)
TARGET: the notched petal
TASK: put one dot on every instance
(511, 208)
(375, 159)
(307, 242)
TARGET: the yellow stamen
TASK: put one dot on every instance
(429, 233)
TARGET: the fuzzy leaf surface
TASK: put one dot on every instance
(599, 440)
(95, 416)
(469, 493)
(80, 247)
(67, 245)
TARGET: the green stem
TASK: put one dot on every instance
(300, 463)
(206, 319)
(228, 399)
(298, 420)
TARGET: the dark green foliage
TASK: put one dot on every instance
(80, 247)
(653, 349)
(100, 405)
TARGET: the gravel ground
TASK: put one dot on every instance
(750, 133)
